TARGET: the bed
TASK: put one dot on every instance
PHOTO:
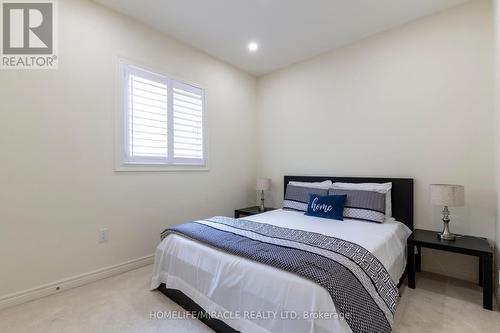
(231, 293)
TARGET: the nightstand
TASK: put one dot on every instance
(249, 211)
(469, 245)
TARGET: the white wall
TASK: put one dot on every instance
(57, 184)
(416, 101)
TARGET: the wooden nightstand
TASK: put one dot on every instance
(469, 245)
(250, 211)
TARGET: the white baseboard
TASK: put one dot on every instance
(72, 282)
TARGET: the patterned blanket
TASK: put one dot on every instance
(358, 283)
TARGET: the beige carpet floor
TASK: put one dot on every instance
(123, 304)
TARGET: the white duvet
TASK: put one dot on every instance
(252, 297)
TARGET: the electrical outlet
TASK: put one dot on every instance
(103, 235)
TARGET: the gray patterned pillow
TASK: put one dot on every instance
(297, 197)
(363, 205)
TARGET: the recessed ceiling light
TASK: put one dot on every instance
(253, 46)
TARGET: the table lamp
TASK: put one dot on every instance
(263, 184)
(447, 195)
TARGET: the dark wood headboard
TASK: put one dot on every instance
(401, 194)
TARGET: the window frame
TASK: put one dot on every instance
(123, 159)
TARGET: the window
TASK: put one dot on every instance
(163, 120)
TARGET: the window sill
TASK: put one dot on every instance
(160, 168)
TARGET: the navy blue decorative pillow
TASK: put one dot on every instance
(327, 206)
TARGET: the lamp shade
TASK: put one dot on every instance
(447, 195)
(263, 184)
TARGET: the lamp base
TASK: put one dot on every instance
(262, 207)
(449, 237)
(446, 234)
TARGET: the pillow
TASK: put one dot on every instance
(363, 205)
(326, 206)
(296, 197)
(326, 184)
(375, 187)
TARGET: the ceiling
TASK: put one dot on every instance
(287, 31)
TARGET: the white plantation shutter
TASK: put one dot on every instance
(163, 120)
(187, 123)
(146, 134)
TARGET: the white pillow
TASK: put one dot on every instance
(325, 185)
(375, 187)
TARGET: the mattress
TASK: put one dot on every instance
(252, 297)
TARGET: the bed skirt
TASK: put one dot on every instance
(189, 305)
